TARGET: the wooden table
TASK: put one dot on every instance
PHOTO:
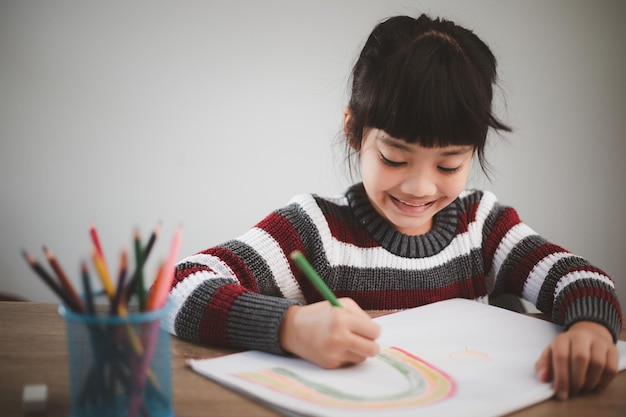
(33, 351)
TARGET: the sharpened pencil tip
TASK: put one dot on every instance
(295, 254)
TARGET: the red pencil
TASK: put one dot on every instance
(50, 282)
(63, 279)
(96, 240)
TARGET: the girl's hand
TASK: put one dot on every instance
(329, 336)
(582, 359)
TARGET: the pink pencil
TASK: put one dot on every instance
(161, 286)
(150, 331)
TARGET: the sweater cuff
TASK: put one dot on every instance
(596, 310)
(254, 321)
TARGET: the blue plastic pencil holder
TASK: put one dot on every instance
(119, 365)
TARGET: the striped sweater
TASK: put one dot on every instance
(236, 294)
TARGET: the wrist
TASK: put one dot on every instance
(285, 331)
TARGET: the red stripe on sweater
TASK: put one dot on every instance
(353, 235)
(182, 274)
(403, 298)
(467, 217)
(522, 269)
(283, 232)
(503, 224)
(236, 264)
(214, 324)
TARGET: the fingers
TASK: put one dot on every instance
(580, 360)
(596, 368)
(581, 355)
(329, 336)
(560, 366)
(610, 370)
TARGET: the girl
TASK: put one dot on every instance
(407, 235)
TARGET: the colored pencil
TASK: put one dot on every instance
(161, 286)
(132, 286)
(87, 288)
(101, 264)
(151, 240)
(140, 288)
(121, 281)
(103, 273)
(63, 279)
(49, 280)
(315, 279)
(96, 239)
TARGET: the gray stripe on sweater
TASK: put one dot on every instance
(592, 309)
(257, 265)
(254, 321)
(511, 263)
(187, 324)
(346, 278)
(545, 299)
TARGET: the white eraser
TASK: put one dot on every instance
(34, 398)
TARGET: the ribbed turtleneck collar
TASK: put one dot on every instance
(443, 231)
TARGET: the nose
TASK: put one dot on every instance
(419, 183)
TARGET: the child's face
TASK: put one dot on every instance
(408, 184)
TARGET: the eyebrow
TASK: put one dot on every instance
(403, 146)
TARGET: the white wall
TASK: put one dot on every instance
(213, 113)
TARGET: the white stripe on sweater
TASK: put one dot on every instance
(271, 252)
(508, 242)
(572, 277)
(183, 289)
(536, 277)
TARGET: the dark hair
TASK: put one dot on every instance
(424, 81)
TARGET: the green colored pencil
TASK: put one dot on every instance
(315, 279)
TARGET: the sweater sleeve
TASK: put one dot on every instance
(563, 285)
(236, 294)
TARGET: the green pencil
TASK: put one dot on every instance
(310, 273)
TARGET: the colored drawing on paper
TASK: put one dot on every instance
(424, 384)
(470, 356)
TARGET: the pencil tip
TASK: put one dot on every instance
(27, 256)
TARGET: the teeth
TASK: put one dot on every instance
(414, 205)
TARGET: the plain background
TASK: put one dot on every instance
(211, 114)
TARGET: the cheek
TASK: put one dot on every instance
(371, 172)
(454, 186)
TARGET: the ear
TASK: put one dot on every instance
(348, 121)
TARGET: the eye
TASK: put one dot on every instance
(448, 170)
(389, 162)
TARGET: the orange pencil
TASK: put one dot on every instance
(103, 273)
(161, 286)
(63, 279)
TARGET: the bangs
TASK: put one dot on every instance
(431, 95)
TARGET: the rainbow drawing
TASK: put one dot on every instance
(425, 384)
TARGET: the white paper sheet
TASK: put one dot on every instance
(456, 357)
